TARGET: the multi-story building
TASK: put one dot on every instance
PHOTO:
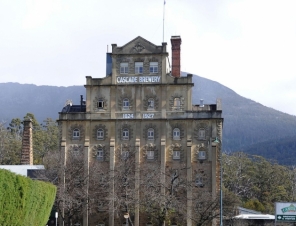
(143, 105)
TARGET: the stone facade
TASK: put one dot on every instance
(140, 104)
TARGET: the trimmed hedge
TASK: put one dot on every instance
(24, 201)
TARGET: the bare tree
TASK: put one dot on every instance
(71, 182)
(163, 201)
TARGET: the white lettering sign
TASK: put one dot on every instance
(128, 116)
(140, 79)
(148, 115)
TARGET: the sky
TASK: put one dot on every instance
(247, 45)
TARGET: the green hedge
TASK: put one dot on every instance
(23, 201)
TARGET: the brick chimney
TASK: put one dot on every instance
(176, 56)
(27, 144)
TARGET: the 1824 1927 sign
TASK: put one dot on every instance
(285, 211)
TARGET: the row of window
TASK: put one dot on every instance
(150, 134)
(151, 104)
(126, 134)
(150, 155)
(153, 68)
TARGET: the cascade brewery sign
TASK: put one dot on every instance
(138, 79)
(285, 211)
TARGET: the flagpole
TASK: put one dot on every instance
(163, 22)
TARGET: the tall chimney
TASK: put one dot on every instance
(176, 56)
(27, 144)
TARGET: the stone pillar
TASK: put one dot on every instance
(27, 143)
(189, 181)
(86, 156)
(137, 183)
(162, 167)
(112, 165)
(63, 151)
(176, 56)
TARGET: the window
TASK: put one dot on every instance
(100, 154)
(199, 181)
(125, 104)
(150, 104)
(100, 104)
(100, 134)
(153, 67)
(76, 134)
(76, 152)
(100, 208)
(176, 134)
(150, 154)
(125, 134)
(177, 103)
(201, 155)
(176, 154)
(201, 134)
(150, 134)
(139, 68)
(123, 68)
(125, 155)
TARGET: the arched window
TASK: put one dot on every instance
(100, 154)
(176, 154)
(199, 181)
(125, 154)
(100, 104)
(150, 104)
(125, 134)
(150, 134)
(176, 134)
(201, 133)
(177, 103)
(100, 134)
(201, 155)
(150, 154)
(125, 104)
(76, 134)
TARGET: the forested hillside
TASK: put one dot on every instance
(16, 100)
(282, 150)
(246, 122)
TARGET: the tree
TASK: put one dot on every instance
(255, 178)
(45, 137)
(11, 143)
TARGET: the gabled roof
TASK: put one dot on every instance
(139, 39)
(138, 45)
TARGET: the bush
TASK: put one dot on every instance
(24, 201)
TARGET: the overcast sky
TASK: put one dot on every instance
(247, 45)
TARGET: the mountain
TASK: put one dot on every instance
(246, 122)
(16, 100)
(282, 150)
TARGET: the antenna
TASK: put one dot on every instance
(163, 21)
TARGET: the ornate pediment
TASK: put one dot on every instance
(138, 45)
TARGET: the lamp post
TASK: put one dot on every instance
(126, 216)
(218, 141)
(56, 217)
